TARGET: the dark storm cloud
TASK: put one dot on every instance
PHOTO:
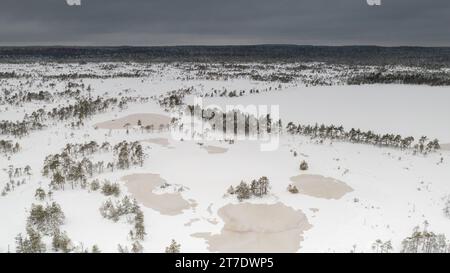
(169, 22)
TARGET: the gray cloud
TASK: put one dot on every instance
(171, 22)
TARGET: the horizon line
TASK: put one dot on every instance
(215, 45)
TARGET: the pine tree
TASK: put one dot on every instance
(243, 191)
(174, 247)
(139, 225)
(95, 249)
(109, 189)
(31, 244)
(122, 249)
(45, 219)
(304, 166)
(61, 242)
(137, 247)
(263, 185)
(95, 185)
(139, 154)
(124, 162)
(255, 188)
(58, 181)
(40, 194)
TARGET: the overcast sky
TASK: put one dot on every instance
(197, 22)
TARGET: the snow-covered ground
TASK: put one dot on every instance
(393, 190)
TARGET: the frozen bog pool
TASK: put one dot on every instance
(258, 228)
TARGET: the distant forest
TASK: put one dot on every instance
(430, 57)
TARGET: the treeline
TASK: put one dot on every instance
(20, 97)
(332, 132)
(16, 98)
(310, 74)
(8, 75)
(237, 93)
(19, 128)
(75, 76)
(351, 55)
(274, 77)
(84, 108)
(417, 78)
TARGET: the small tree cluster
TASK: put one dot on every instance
(9, 147)
(16, 98)
(129, 154)
(41, 195)
(66, 168)
(46, 219)
(31, 243)
(43, 221)
(382, 247)
(62, 243)
(292, 189)
(62, 169)
(126, 207)
(85, 149)
(114, 210)
(15, 172)
(137, 247)
(12, 185)
(174, 98)
(256, 188)
(109, 189)
(94, 185)
(424, 241)
(19, 128)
